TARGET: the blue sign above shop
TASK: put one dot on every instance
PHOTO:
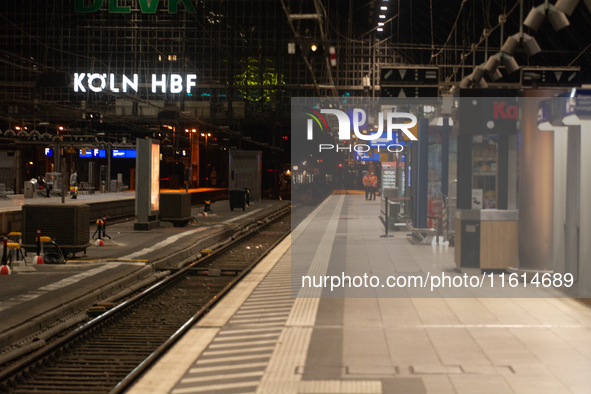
(383, 140)
(366, 156)
(577, 106)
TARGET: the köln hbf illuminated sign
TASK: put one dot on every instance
(96, 82)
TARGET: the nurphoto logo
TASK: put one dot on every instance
(394, 121)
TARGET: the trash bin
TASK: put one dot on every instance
(247, 189)
(237, 198)
(29, 189)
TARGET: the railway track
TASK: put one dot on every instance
(108, 353)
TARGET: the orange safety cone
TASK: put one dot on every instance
(5, 269)
(38, 258)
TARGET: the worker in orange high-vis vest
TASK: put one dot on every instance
(374, 186)
(367, 184)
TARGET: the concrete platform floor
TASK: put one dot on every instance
(260, 339)
(16, 202)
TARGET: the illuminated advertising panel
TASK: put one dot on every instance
(155, 189)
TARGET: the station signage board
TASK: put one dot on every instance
(383, 141)
(414, 76)
(123, 153)
(92, 153)
(364, 156)
(577, 105)
(560, 77)
(409, 91)
(158, 83)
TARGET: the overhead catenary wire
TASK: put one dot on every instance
(465, 55)
(455, 25)
(579, 55)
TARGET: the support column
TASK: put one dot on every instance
(582, 272)
(422, 184)
(18, 189)
(464, 169)
(536, 181)
(57, 158)
(414, 179)
(567, 161)
(503, 173)
(109, 153)
(445, 157)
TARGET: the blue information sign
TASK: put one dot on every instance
(366, 156)
(383, 140)
(124, 153)
(89, 153)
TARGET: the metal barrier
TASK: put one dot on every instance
(386, 218)
(387, 193)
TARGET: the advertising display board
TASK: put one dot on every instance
(246, 172)
(155, 179)
(147, 184)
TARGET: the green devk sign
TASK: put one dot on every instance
(146, 6)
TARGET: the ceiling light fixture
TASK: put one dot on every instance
(495, 60)
(528, 42)
(536, 16)
(566, 6)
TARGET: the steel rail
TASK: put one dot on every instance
(106, 317)
(152, 358)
